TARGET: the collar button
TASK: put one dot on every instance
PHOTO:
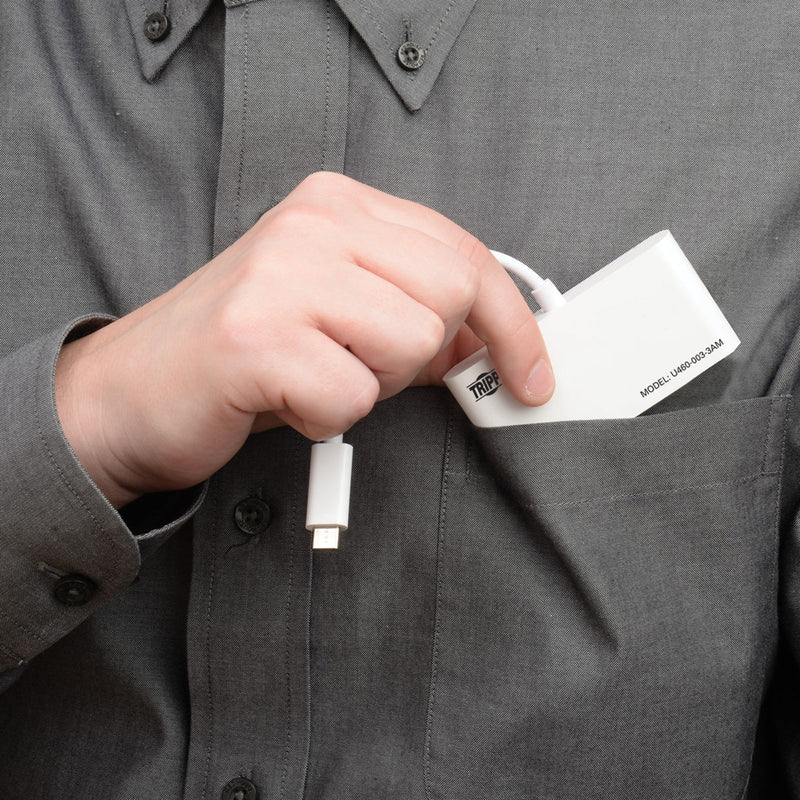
(157, 26)
(410, 56)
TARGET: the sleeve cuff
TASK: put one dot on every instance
(64, 550)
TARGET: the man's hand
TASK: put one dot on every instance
(338, 297)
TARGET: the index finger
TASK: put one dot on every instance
(501, 317)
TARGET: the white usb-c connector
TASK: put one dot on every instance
(328, 510)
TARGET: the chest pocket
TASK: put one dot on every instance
(606, 608)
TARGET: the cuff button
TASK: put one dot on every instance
(74, 590)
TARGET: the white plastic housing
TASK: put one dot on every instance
(625, 338)
(329, 485)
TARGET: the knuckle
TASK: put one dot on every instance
(428, 337)
(342, 399)
(363, 394)
(465, 287)
(249, 268)
(302, 218)
(231, 328)
(324, 183)
(366, 397)
(235, 324)
(466, 284)
(469, 245)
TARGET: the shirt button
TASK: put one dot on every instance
(156, 26)
(239, 789)
(252, 516)
(410, 55)
(74, 590)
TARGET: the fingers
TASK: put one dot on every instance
(425, 268)
(321, 391)
(392, 334)
(437, 264)
(499, 314)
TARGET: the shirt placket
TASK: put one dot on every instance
(286, 70)
(285, 114)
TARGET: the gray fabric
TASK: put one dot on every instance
(433, 27)
(598, 609)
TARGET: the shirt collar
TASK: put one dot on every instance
(432, 25)
(184, 15)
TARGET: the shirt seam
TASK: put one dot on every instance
(325, 124)
(12, 655)
(440, 23)
(240, 177)
(437, 625)
(207, 647)
(21, 626)
(376, 24)
(288, 630)
(438, 28)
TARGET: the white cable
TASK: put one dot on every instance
(516, 267)
(543, 290)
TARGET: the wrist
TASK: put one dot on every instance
(79, 405)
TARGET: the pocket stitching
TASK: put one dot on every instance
(652, 492)
(474, 477)
(767, 437)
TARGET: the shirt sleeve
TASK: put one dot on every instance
(64, 550)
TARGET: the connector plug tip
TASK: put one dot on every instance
(326, 538)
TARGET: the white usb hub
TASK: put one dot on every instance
(623, 339)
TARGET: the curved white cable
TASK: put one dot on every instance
(516, 267)
(543, 289)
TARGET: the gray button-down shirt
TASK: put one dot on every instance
(599, 609)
